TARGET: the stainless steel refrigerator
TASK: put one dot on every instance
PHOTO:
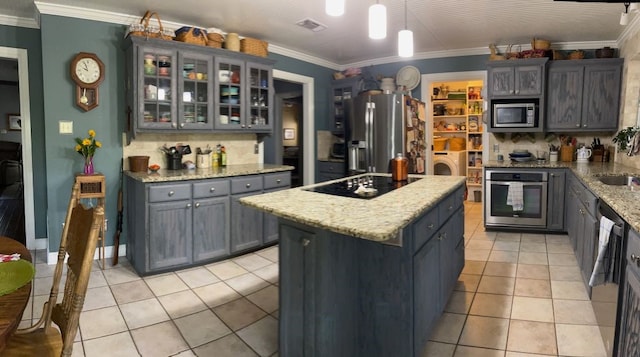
(380, 126)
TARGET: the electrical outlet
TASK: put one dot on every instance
(256, 149)
(106, 224)
(496, 148)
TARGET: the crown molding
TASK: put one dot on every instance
(302, 56)
(19, 21)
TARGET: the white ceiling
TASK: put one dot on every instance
(440, 26)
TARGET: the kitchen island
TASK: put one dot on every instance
(366, 277)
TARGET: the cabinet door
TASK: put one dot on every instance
(260, 98)
(629, 344)
(195, 91)
(211, 232)
(564, 105)
(297, 300)
(555, 201)
(246, 225)
(529, 80)
(426, 291)
(341, 91)
(501, 81)
(601, 97)
(271, 232)
(156, 88)
(169, 234)
(229, 96)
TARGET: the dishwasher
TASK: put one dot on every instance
(605, 298)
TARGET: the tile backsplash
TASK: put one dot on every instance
(239, 147)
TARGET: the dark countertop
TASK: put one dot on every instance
(214, 172)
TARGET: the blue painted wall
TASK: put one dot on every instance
(52, 99)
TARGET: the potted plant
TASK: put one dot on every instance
(624, 136)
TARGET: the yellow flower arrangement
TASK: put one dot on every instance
(87, 147)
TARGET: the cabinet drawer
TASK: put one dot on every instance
(331, 167)
(246, 184)
(212, 188)
(425, 228)
(281, 179)
(447, 207)
(633, 248)
(170, 192)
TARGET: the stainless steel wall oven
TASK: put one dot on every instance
(515, 199)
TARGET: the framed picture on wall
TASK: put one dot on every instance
(14, 122)
(289, 134)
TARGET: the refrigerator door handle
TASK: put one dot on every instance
(370, 135)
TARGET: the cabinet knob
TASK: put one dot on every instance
(182, 125)
(578, 125)
(584, 125)
(173, 125)
(517, 92)
(552, 175)
(248, 126)
(188, 205)
(635, 259)
(511, 91)
(430, 226)
(197, 204)
(242, 126)
(581, 211)
(278, 181)
(212, 189)
(171, 193)
(305, 242)
(450, 208)
(248, 185)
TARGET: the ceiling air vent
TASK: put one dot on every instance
(312, 25)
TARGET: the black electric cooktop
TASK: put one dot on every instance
(348, 187)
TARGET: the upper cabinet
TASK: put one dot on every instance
(516, 78)
(584, 95)
(341, 91)
(178, 87)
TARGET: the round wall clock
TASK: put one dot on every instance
(87, 71)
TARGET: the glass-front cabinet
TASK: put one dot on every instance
(230, 96)
(175, 86)
(260, 101)
(194, 110)
(158, 88)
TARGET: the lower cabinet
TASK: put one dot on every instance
(174, 225)
(330, 170)
(556, 202)
(629, 328)
(345, 296)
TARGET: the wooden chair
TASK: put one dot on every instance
(78, 245)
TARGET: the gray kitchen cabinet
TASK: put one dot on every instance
(555, 201)
(179, 224)
(629, 318)
(341, 91)
(246, 222)
(344, 296)
(175, 86)
(330, 170)
(523, 78)
(584, 95)
(273, 183)
(169, 229)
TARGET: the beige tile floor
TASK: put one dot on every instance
(519, 295)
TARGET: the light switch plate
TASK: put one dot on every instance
(65, 127)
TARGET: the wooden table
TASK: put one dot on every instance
(13, 304)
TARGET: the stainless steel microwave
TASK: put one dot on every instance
(514, 114)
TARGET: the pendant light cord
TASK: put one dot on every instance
(405, 14)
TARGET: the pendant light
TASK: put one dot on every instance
(377, 21)
(624, 17)
(334, 7)
(405, 38)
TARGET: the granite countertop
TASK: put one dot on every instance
(379, 219)
(623, 199)
(214, 172)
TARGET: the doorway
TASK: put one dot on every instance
(19, 55)
(289, 109)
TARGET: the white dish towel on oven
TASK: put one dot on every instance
(598, 274)
(514, 196)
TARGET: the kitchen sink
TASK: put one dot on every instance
(620, 180)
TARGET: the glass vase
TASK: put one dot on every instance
(88, 166)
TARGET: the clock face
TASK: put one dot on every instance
(88, 70)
